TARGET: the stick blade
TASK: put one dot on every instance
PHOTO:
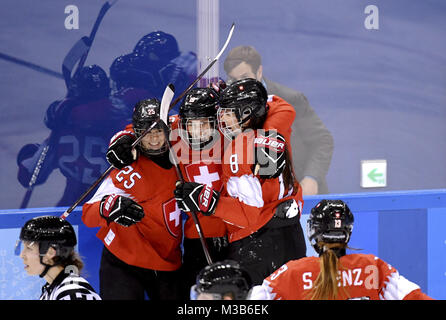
(165, 102)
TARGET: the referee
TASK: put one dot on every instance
(48, 251)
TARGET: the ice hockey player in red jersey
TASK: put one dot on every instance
(199, 153)
(140, 224)
(261, 208)
(335, 275)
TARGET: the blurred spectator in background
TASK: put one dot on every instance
(311, 142)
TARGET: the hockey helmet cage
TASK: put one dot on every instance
(145, 113)
(199, 104)
(247, 95)
(247, 99)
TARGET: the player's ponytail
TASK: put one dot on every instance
(326, 284)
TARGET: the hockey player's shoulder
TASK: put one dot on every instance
(303, 263)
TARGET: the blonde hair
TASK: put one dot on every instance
(326, 284)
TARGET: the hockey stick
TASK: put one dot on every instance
(231, 31)
(180, 176)
(79, 52)
(204, 245)
(173, 156)
(81, 48)
(31, 65)
(167, 97)
(165, 102)
(33, 179)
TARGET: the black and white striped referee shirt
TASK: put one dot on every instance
(68, 286)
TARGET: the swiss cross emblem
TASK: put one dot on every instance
(172, 217)
(203, 173)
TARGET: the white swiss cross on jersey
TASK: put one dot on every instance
(209, 174)
(172, 217)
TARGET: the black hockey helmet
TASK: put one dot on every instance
(220, 279)
(145, 113)
(247, 99)
(157, 46)
(134, 71)
(199, 104)
(330, 221)
(90, 82)
(49, 231)
(122, 72)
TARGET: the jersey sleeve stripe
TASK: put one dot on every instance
(107, 188)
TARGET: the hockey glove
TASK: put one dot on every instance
(120, 152)
(269, 154)
(122, 210)
(192, 196)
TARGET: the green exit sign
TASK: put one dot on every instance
(373, 173)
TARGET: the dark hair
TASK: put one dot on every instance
(73, 259)
(242, 54)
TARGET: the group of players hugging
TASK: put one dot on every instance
(206, 205)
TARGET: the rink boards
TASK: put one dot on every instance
(406, 229)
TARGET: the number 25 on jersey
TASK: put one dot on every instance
(128, 176)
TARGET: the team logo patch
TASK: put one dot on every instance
(172, 217)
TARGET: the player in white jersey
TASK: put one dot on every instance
(48, 251)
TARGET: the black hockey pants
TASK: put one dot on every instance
(120, 281)
(267, 249)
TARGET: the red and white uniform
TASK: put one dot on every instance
(364, 276)
(154, 242)
(280, 117)
(249, 202)
(201, 166)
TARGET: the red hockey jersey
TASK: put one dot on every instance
(154, 242)
(201, 166)
(249, 202)
(364, 276)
